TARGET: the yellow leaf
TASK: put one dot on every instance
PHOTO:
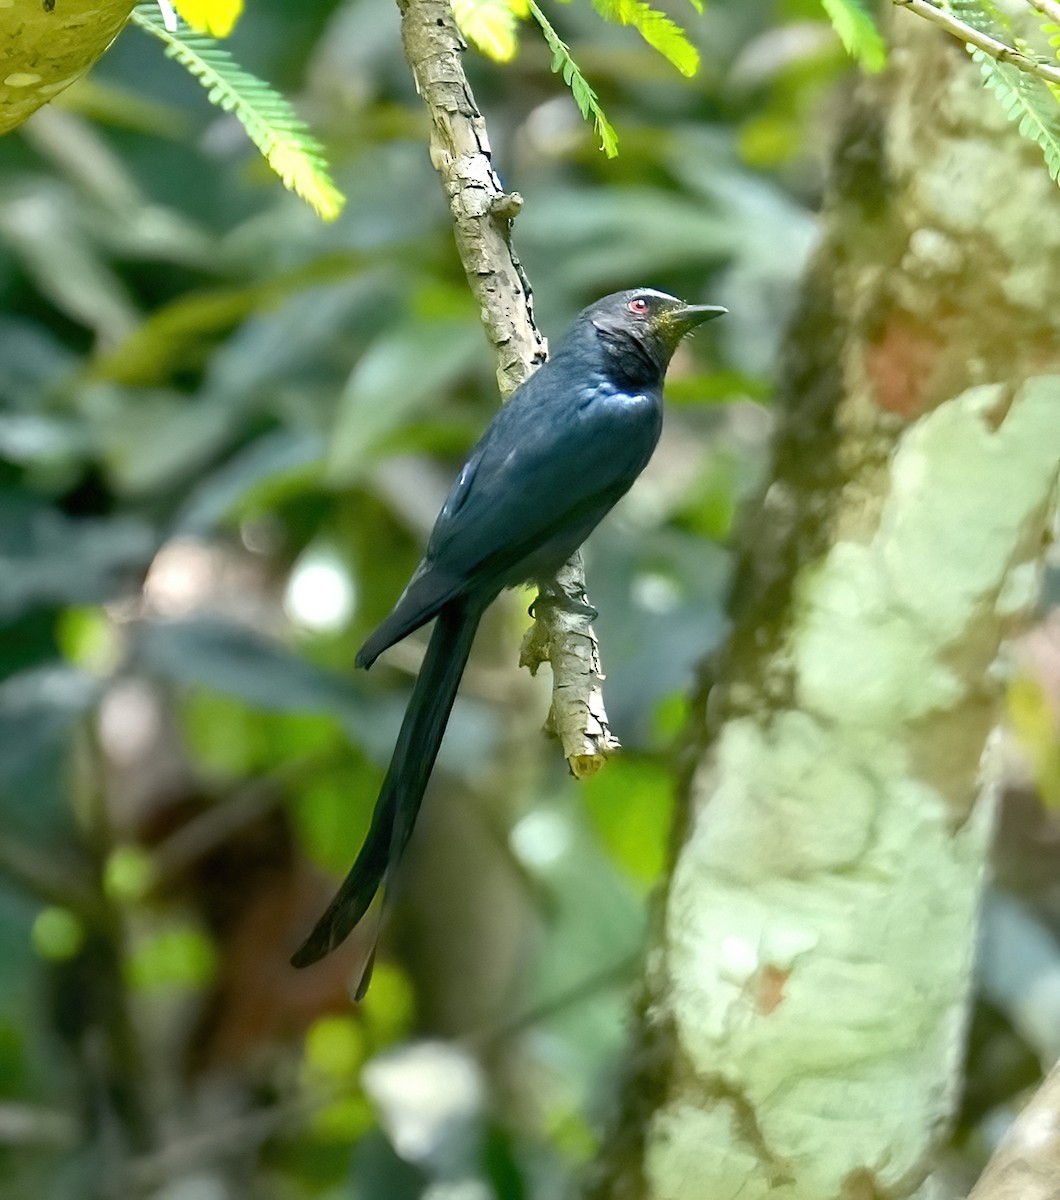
(215, 17)
(306, 178)
(42, 51)
(490, 25)
(1032, 718)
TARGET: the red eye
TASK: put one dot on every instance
(638, 305)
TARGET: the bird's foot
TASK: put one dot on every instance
(558, 599)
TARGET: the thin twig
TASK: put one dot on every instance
(229, 1138)
(1048, 8)
(113, 1059)
(204, 833)
(483, 213)
(44, 877)
(208, 830)
(590, 986)
(36, 1125)
(482, 210)
(981, 41)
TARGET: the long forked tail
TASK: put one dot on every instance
(406, 780)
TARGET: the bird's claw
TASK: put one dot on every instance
(561, 601)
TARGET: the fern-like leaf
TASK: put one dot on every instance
(584, 96)
(858, 33)
(1029, 102)
(985, 16)
(272, 125)
(656, 28)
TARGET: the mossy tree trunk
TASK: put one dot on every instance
(802, 1028)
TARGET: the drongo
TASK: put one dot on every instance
(552, 462)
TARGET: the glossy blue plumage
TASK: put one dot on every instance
(552, 462)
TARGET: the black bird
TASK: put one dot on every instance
(552, 462)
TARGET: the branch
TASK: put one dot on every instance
(1048, 8)
(45, 877)
(1026, 1165)
(577, 717)
(213, 827)
(983, 41)
(483, 213)
(24, 1125)
(482, 210)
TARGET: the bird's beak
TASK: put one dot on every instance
(688, 316)
(674, 323)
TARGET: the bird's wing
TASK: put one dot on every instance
(541, 466)
(543, 474)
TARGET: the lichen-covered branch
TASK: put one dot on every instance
(482, 210)
(802, 1028)
(577, 717)
(1026, 1166)
(483, 213)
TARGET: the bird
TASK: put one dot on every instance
(551, 464)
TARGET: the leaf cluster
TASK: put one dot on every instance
(1031, 103)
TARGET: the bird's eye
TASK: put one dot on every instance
(638, 305)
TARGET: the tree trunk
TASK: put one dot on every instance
(802, 1028)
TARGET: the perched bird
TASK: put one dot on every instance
(552, 462)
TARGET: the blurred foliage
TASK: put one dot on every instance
(492, 27)
(225, 429)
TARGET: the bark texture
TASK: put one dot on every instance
(1026, 1166)
(801, 1033)
(45, 45)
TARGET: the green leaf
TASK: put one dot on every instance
(490, 25)
(271, 124)
(656, 28)
(858, 33)
(58, 934)
(985, 16)
(177, 335)
(49, 558)
(584, 96)
(630, 804)
(235, 661)
(399, 373)
(1029, 102)
(39, 709)
(181, 957)
(333, 808)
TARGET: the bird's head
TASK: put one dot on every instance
(647, 323)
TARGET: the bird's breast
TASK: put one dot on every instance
(602, 396)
